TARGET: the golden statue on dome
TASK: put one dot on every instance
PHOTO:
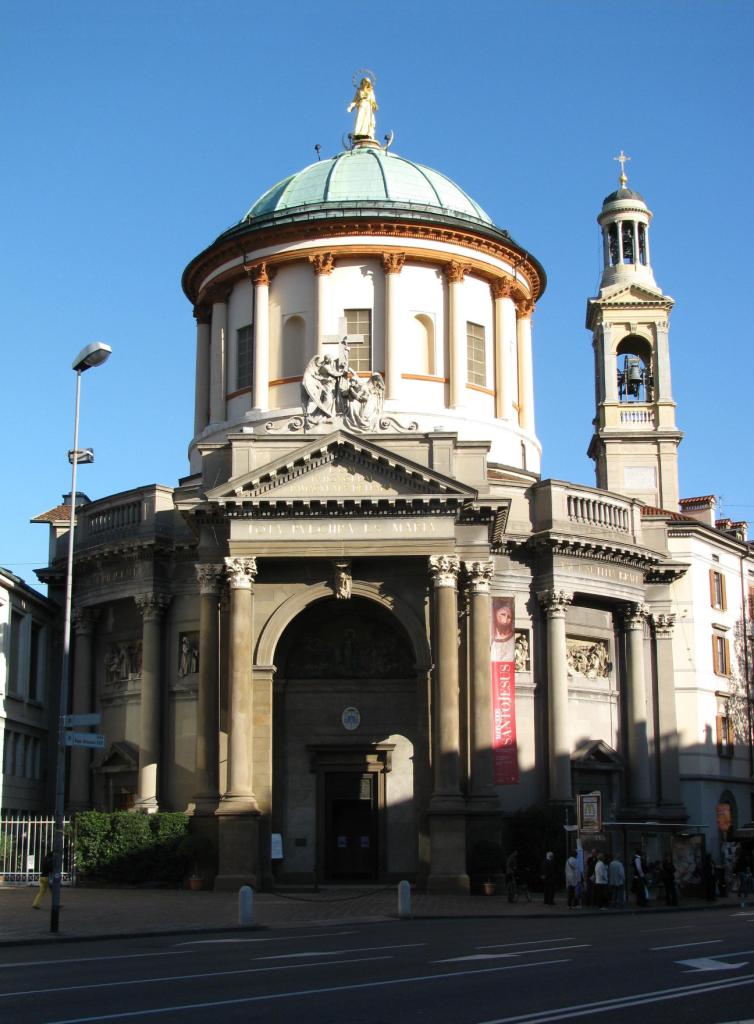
(365, 104)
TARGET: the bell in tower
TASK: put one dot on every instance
(635, 443)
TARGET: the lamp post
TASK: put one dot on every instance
(91, 355)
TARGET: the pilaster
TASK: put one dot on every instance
(152, 607)
(554, 604)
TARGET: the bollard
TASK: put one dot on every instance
(404, 899)
(245, 906)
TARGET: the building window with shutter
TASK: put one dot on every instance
(359, 329)
(717, 590)
(720, 654)
(476, 356)
(244, 341)
(725, 735)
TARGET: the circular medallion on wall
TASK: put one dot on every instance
(351, 718)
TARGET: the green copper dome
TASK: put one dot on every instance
(366, 174)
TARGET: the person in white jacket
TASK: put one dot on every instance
(601, 881)
(616, 875)
(573, 881)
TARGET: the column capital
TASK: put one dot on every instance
(554, 602)
(502, 288)
(151, 606)
(85, 620)
(209, 576)
(240, 572)
(323, 263)
(634, 615)
(663, 625)
(479, 575)
(392, 262)
(260, 273)
(220, 294)
(444, 570)
(455, 271)
(203, 313)
(525, 309)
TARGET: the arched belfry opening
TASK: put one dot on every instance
(346, 738)
(635, 378)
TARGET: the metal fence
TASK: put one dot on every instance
(23, 843)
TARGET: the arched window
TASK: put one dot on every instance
(612, 244)
(421, 358)
(635, 380)
(627, 237)
(292, 352)
(643, 244)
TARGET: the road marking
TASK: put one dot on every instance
(708, 963)
(89, 959)
(623, 1002)
(308, 992)
(533, 942)
(499, 956)
(335, 952)
(682, 945)
(677, 928)
(190, 977)
(276, 938)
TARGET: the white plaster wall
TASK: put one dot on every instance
(292, 292)
(360, 284)
(420, 290)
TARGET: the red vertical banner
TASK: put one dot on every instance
(503, 675)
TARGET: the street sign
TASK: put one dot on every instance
(84, 739)
(70, 720)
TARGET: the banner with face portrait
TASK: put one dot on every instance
(503, 664)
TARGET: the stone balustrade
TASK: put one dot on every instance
(570, 508)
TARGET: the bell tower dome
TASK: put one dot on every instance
(635, 441)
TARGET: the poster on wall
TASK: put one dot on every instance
(502, 660)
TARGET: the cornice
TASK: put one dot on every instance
(593, 550)
(399, 231)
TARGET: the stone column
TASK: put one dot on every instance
(240, 573)
(662, 388)
(218, 356)
(151, 607)
(392, 264)
(636, 706)
(670, 779)
(79, 773)
(525, 369)
(609, 363)
(447, 820)
(206, 784)
(261, 377)
(323, 265)
(201, 393)
(479, 575)
(554, 604)
(505, 342)
(458, 370)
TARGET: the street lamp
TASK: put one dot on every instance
(92, 355)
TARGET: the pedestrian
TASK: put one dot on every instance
(640, 880)
(616, 877)
(548, 877)
(667, 874)
(601, 882)
(589, 867)
(46, 869)
(573, 879)
(709, 877)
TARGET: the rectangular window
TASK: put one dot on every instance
(476, 355)
(359, 329)
(244, 344)
(751, 602)
(35, 661)
(717, 590)
(720, 655)
(725, 736)
(14, 667)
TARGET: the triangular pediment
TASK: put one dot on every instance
(596, 753)
(622, 293)
(340, 467)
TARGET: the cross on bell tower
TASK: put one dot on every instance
(635, 441)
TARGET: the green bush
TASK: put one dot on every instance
(130, 848)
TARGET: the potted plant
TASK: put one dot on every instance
(486, 865)
(196, 850)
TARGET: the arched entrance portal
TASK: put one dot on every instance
(346, 736)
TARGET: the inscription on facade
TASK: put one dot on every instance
(440, 528)
(336, 480)
(599, 571)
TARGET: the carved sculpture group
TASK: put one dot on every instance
(587, 658)
(331, 391)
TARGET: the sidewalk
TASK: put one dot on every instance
(104, 913)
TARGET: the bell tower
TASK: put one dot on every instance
(635, 441)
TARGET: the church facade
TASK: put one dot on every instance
(300, 639)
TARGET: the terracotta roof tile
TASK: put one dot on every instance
(59, 514)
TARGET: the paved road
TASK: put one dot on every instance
(662, 968)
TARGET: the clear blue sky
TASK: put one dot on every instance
(135, 132)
